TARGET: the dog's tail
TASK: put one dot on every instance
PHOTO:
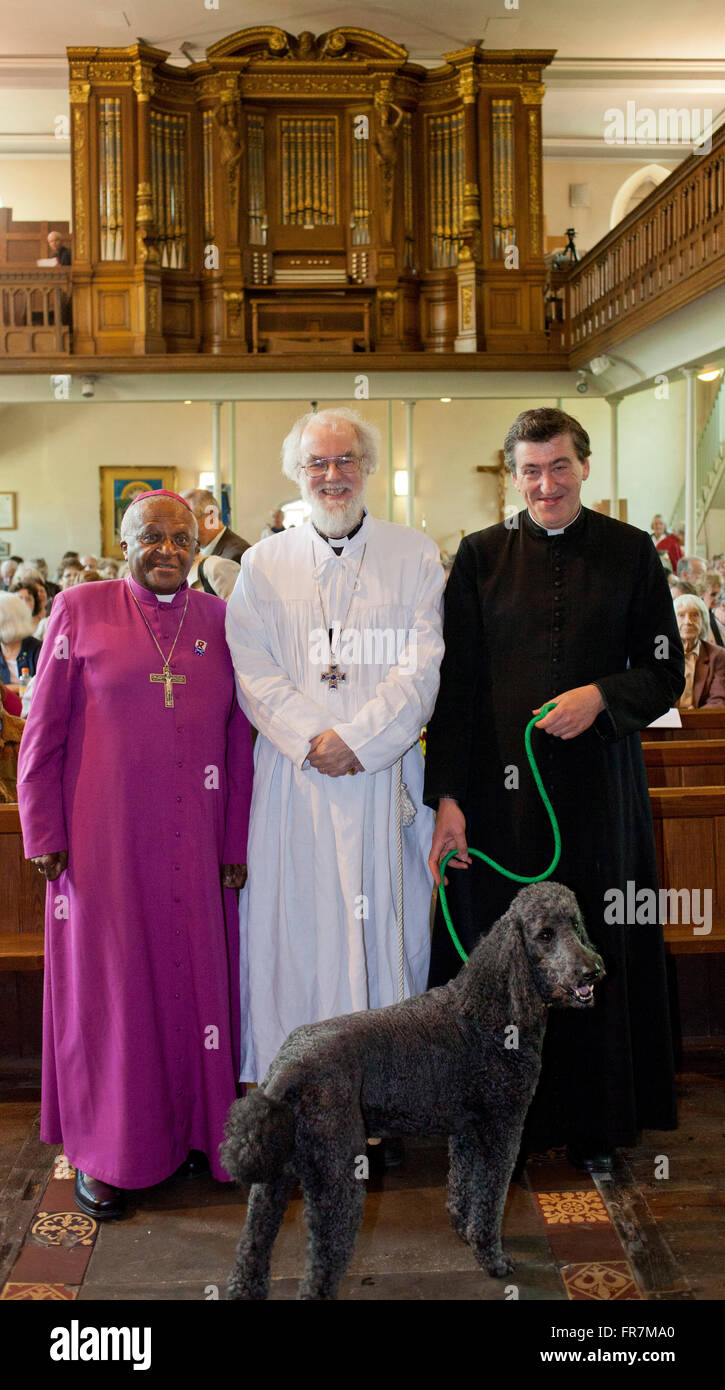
(259, 1138)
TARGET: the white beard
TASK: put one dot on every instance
(336, 519)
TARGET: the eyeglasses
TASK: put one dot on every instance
(345, 462)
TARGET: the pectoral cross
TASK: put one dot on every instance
(333, 674)
(169, 682)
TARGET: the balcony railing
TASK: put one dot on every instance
(669, 251)
(34, 312)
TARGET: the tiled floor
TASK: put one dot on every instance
(637, 1236)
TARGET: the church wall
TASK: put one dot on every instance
(604, 177)
(37, 190)
(51, 454)
(652, 452)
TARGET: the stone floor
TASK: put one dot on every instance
(655, 1230)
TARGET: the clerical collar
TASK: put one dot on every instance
(544, 530)
(337, 542)
(148, 596)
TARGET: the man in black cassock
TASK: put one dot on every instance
(561, 603)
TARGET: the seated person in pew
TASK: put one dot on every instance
(704, 662)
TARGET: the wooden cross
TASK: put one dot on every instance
(169, 682)
(333, 674)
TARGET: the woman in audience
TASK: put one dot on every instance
(36, 598)
(704, 661)
(19, 650)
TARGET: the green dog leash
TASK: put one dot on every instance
(517, 878)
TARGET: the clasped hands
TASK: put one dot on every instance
(330, 754)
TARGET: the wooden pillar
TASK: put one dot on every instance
(80, 91)
(147, 271)
(469, 337)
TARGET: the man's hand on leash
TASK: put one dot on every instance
(575, 711)
(449, 833)
(328, 753)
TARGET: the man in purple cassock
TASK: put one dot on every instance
(134, 787)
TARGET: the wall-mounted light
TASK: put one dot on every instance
(187, 402)
(400, 482)
(445, 400)
(709, 374)
(206, 481)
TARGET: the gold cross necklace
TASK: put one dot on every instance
(165, 676)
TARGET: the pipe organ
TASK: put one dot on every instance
(307, 194)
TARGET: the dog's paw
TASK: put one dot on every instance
(499, 1266)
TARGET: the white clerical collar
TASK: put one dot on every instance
(561, 529)
(358, 537)
(165, 598)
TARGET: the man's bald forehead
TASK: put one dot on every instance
(154, 508)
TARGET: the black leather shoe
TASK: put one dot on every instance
(97, 1199)
(590, 1162)
(195, 1165)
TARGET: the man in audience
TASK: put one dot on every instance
(57, 249)
(560, 604)
(704, 661)
(275, 525)
(711, 597)
(336, 709)
(665, 541)
(214, 537)
(134, 787)
(693, 569)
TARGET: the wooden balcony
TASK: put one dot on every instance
(667, 252)
(34, 312)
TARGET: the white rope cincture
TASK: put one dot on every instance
(398, 775)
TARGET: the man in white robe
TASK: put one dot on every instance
(335, 633)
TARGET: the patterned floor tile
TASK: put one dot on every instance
(607, 1281)
(37, 1293)
(575, 1207)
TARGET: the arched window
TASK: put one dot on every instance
(635, 189)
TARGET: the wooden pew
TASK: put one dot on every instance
(22, 910)
(696, 723)
(689, 824)
(685, 762)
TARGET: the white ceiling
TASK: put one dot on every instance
(577, 29)
(649, 53)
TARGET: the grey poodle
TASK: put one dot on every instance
(461, 1060)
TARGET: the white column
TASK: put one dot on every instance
(409, 508)
(232, 463)
(391, 465)
(216, 407)
(691, 463)
(614, 458)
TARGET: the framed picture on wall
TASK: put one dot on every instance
(119, 486)
(8, 518)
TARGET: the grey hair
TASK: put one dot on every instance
(16, 620)
(368, 436)
(28, 571)
(694, 601)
